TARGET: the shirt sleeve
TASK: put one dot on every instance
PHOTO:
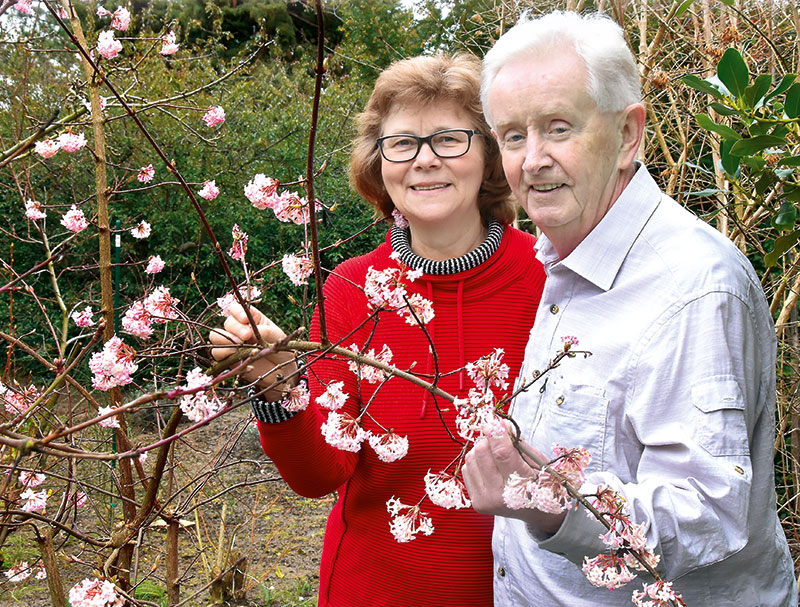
(309, 465)
(697, 389)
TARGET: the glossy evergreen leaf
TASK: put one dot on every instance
(784, 84)
(723, 110)
(683, 7)
(782, 244)
(729, 162)
(754, 93)
(790, 161)
(753, 145)
(699, 84)
(726, 132)
(792, 104)
(733, 72)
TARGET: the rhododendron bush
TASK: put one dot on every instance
(155, 170)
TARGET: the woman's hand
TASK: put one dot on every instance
(237, 330)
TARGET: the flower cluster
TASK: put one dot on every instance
(297, 398)
(298, 269)
(250, 294)
(141, 230)
(366, 372)
(109, 422)
(83, 318)
(607, 570)
(239, 247)
(74, 220)
(201, 404)
(385, 288)
(660, 592)
(214, 115)
(146, 174)
(22, 571)
(446, 490)
(168, 45)
(70, 142)
(24, 7)
(209, 191)
(121, 19)
(46, 148)
(477, 417)
(489, 370)
(407, 521)
(31, 479)
(343, 431)
(33, 210)
(95, 593)
(113, 366)
(107, 45)
(389, 447)
(18, 401)
(154, 265)
(262, 192)
(333, 398)
(35, 501)
(158, 307)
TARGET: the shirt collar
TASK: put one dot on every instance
(599, 256)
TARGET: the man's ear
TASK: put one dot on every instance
(631, 125)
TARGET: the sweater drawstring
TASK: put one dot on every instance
(429, 363)
(461, 361)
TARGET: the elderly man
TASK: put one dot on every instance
(676, 405)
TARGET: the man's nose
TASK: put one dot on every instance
(536, 155)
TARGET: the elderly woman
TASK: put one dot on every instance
(423, 151)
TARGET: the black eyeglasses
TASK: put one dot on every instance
(450, 143)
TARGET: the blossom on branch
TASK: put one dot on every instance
(46, 148)
(660, 592)
(607, 570)
(24, 7)
(407, 521)
(399, 219)
(333, 398)
(298, 269)
(83, 318)
(95, 593)
(201, 404)
(367, 372)
(158, 307)
(297, 398)
(214, 115)
(154, 265)
(477, 415)
(250, 294)
(142, 230)
(113, 366)
(74, 220)
(18, 572)
(446, 490)
(210, 190)
(102, 11)
(342, 430)
(33, 210)
(146, 174)
(239, 247)
(18, 401)
(70, 142)
(261, 191)
(109, 422)
(31, 479)
(36, 501)
(121, 19)
(389, 447)
(107, 45)
(168, 45)
(489, 371)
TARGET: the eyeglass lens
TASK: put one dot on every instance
(445, 144)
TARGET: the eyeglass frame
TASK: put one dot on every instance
(420, 140)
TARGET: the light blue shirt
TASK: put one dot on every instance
(676, 405)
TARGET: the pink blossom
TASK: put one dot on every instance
(210, 190)
(84, 318)
(625, 533)
(251, 295)
(399, 219)
(297, 398)
(41, 574)
(214, 116)
(367, 372)
(446, 490)
(298, 269)
(333, 398)
(109, 422)
(154, 265)
(74, 220)
(477, 416)
(407, 521)
(102, 11)
(291, 207)
(168, 44)
(113, 365)
(18, 401)
(88, 104)
(142, 230)
(489, 371)
(80, 498)
(342, 431)
(239, 247)
(61, 12)
(158, 307)
(417, 310)
(95, 593)
(261, 191)
(389, 447)
(107, 45)
(19, 572)
(202, 404)
(33, 210)
(142, 457)
(385, 288)
(35, 500)
(46, 148)
(31, 479)
(137, 320)
(146, 174)
(571, 463)
(569, 340)
(121, 19)
(542, 491)
(607, 570)
(661, 592)
(24, 7)
(70, 142)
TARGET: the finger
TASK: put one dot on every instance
(221, 337)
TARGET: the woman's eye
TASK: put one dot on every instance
(402, 143)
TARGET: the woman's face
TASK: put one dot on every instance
(432, 191)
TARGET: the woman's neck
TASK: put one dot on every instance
(441, 244)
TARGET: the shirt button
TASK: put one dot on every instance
(554, 309)
(560, 401)
(501, 572)
(739, 469)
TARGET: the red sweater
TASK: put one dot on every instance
(491, 306)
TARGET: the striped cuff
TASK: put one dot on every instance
(271, 412)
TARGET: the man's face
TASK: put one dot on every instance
(561, 156)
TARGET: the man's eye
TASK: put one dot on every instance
(513, 139)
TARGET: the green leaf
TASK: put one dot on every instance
(786, 216)
(782, 244)
(708, 192)
(723, 110)
(727, 2)
(748, 147)
(729, 162)
(792, 104)
(791, 192)
(766, 181)
(708, 124)
(733, 72)
(683, 7)
(754, 162)
(790, 161)
(754, 93)
(784, 84)
(699, 84)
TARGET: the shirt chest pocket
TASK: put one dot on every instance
(572, 416)
(720, 421)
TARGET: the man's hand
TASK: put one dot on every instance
(486, 468)
(237, 330)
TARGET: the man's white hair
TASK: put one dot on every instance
(613, 79)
